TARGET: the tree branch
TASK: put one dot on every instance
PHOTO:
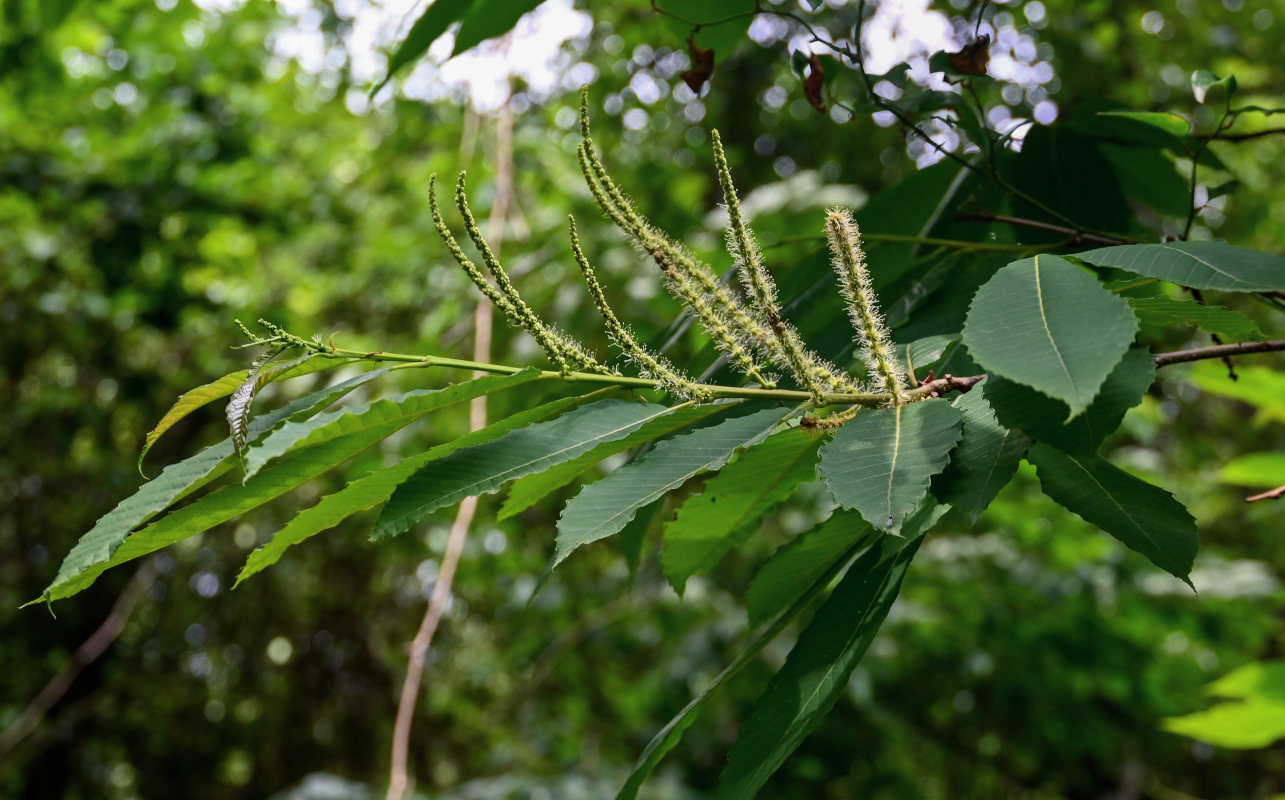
(1075, 235)
(1274, 494)
(1219, 351)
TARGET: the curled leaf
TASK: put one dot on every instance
(815, 83)
(702, 66)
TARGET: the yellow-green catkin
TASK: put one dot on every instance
(748, 261)
(863, 306)
(651, 365)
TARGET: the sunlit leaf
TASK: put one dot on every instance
(486, 19)
(1196, 265)
(431, 24)
(1156, 313)
(1050, 325)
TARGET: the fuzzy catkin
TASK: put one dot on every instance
(863, 306)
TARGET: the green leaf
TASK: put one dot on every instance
(788, 573)
(486, 19)
(525, 492)
(603, 508)
(1242, 725)
(1255, 680)
(174, 483)
(1209, 88)
(373, 489)
(1155, 313)
(923, 354)
(1197, 265)
(430, 25)
(402, 409)
(226, 503)
(1146, 518)
(487, 467)
(986, 458)
(1041, 417)
(1260, 387)
(1048, 324)
(1149, 175)
(1167, 121)
(1255, 469)
(730, 18)
(727, 511)
(190, 401)
(668, 736)
(882, 462)
(816, 671)
(238, 409)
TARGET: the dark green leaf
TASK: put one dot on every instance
(1157, 313)
(1042, 418)
(1144, 517)
(603, 508)
(430, 25)
(1197, 265)
(882, 462)
(726, 512)
(1050, 325)
(1173, 124)
(526, 491)
(986, 458)
(785, 576)
(486, 19)
(487, 467)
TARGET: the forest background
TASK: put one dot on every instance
(169, 167)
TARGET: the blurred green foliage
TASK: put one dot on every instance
(164, 172)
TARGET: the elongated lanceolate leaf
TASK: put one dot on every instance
(816, 671)
(202, 396)
(1157, 312)
(672, 733)
(1146, 518)
(525, 492)
(402, 409)
(1196, 265)
(882, 461)
(487, 467)
(725, 513)
(603, 508)
(986, 458)
(1041, 417)
(789, 572)
(431, 24)
(373, 489)
(1048, 324)
(178, 481)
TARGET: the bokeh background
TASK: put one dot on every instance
(167, 167)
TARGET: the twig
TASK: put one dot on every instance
(1274, 494)
(1219, 351)
(86, 654)
(1242, 137)
(399, 778)
(1074, 235)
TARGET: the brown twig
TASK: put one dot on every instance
(1242, 137)
(1219, 351)
(1075, 235)
(1274, 494)
(86, 654)
(946, 384)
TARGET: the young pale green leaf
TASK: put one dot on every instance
(817, 669)
(1207, 87)
(603, 508)
(486, 19)
(1260, 387)
(226, 503)
(1170, 123)
(1041, 417)
(487, 467)
(882, 462)
(986, 458)
(1156, 313)
(431, 24)
(1244, 725)
(669, 736)
(1046, 323)
(375, 488)
(1146, 518)
(724, 514)
(788, 573)
(1255, 469)
(202, 396)
(525, 492)
(1196, 265)
(173, 484)
(402, 410)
